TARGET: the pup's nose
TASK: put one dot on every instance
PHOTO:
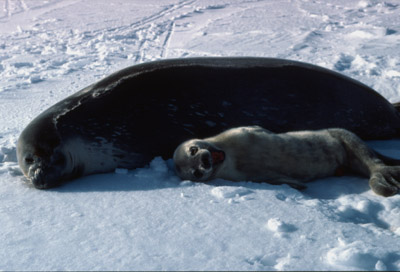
(205, 161)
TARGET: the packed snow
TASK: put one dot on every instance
(148, 219)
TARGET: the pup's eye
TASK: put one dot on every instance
(197, 174)
(193, 150)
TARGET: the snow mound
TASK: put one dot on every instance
(359, 255)
(276, 225)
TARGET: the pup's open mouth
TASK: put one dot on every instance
(217, 157)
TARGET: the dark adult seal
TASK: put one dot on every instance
(147, 110)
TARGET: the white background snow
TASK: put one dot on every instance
(147, 219)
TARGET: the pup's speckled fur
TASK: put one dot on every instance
(256, 154)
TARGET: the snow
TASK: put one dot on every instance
(147, 219)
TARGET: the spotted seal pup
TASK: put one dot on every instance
(293, 158)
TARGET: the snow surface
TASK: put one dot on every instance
(147, 219)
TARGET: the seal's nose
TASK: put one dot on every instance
(205, 160)
(38, 179)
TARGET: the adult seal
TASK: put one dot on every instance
(146, 110)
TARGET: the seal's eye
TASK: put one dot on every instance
(193, 150)
(29, 160)
(197, 174)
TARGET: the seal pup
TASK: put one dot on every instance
(144, 111)
(293, 158)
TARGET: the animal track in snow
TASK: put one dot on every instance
(61, 50)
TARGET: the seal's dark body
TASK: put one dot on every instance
(149, 109)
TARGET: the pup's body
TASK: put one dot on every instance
(256, 154)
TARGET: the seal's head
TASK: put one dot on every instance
(39, 154)
(198, 160)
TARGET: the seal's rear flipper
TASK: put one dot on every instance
(385, 181)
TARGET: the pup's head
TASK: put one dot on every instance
(197, 160)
